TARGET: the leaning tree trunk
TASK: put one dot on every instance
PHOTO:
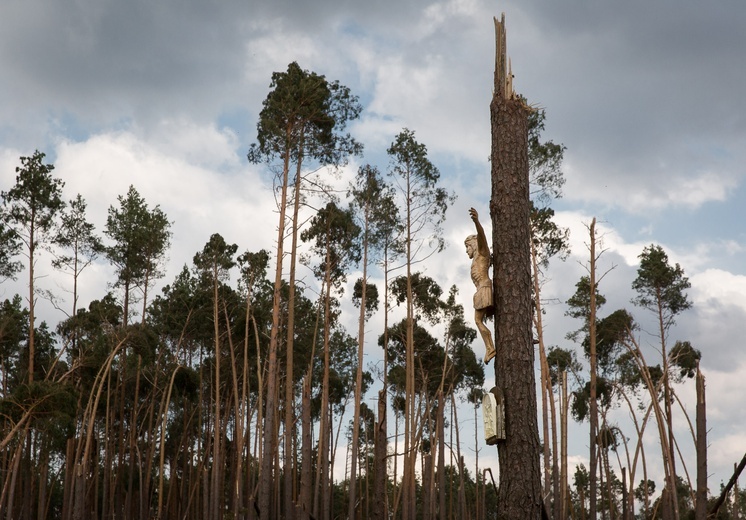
(519, 493)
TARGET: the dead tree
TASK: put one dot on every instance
(519, 493)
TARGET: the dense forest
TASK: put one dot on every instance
(236, 391)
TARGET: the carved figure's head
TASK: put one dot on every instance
(471, 245)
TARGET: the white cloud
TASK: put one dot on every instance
(191, 172)
(715, 286)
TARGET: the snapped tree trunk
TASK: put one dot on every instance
(519, 493)
(701, 506)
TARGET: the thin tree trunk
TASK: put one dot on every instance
(266, 475)
(564, 409)
(440, 426)
(289, 497)
(358, 378)
(380, 465)
(427, 477)
(594, 373)
(306, 454)
(479, 511)
(700, 511)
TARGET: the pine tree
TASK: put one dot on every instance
(31, 208)
(423, 206)
(301, 120)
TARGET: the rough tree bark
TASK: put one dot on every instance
(519, 493)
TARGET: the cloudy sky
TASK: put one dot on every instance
(646, 96)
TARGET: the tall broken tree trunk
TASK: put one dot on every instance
(700, 511)
(519, 493)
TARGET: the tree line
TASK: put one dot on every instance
(229, 394)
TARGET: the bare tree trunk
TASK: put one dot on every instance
(289, 497)
(269, 440)
(478, 509)
(380, 465)
(427, 476)
(556, 492)
(306, 474)
(461, 490)
(546, 385)
(514, 362)
(358, 378)
(593, 401)
(440, 427)
(565, 405)
(700, 512)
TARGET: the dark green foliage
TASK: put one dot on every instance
(342, 368)
(141, 238)
(76, 236)
(580, 407)
(645, 489)
(462, 370)
(544, 161)
(684, 496)
(425, 204)
(611, 333)
(334, 234)
(13, 334)
(374, 202)
(303, 116)
(548, 238)
(426, 294)
(579, 305)
(371, 297)
(428, 358)
(216, 258)
(33, 203)
(10, 246)
(685, 358)
(253, 267)
(561, 360)
(659, 284)
(14, 338)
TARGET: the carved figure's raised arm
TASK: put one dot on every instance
(482, 246)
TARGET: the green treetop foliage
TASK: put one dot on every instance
(548, 238)
(253, 268)
(373, 201)
(76, 235)
(611, 333)
(686, 358)
(581, 406)
(303, 117)
(140, 238)
(334, 234)
(10, 246)
(660, 286)
(216, 259)
(544, 162)
(32, 204)
(426, 294)
(424, 204)
(580, 304)
(371, 297)
(561, 360)
(13, 333)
